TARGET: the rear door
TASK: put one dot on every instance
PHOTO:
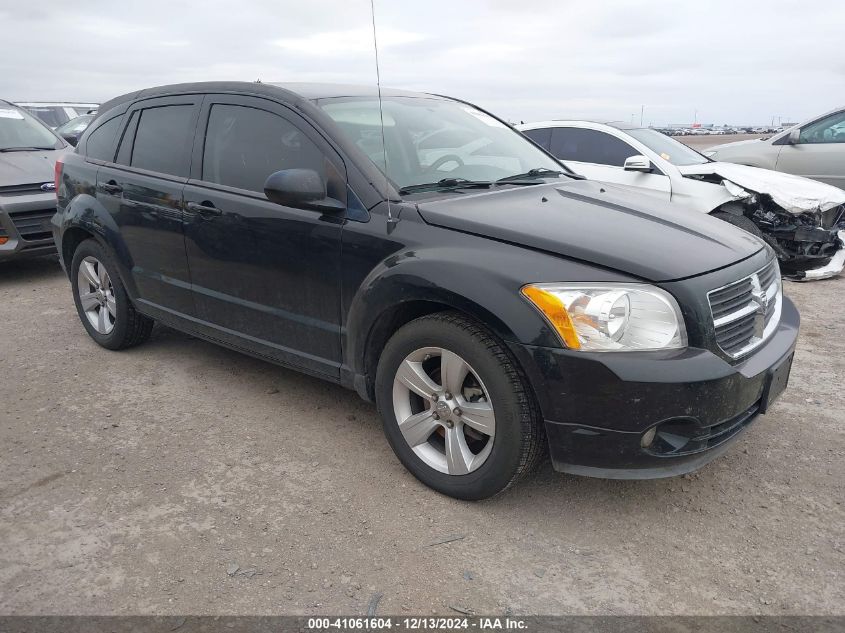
(601, 156)
(142, 189)
(265, 277)
(819, 153)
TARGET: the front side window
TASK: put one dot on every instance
(428, 139)
(163, 139)
(244, 145)
(829, 130)
(590, 146)
(19, 130)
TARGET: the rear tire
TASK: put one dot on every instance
(478, 429)
(101, 300)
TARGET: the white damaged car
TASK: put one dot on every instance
(802, 219)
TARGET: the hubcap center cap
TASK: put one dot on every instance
(443, 409)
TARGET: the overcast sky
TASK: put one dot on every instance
(736, 62)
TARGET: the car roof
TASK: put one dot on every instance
(291, 91)
(619, 125)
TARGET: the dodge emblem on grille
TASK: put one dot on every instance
(761, 298)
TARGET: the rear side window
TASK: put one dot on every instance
(100, 144)
(543, 136)
(589, 146)
(163, 140)
(244, 145)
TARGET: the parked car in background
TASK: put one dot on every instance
(814, 149)
(311, 226)
(73, 129)
(28, 153)
(55, 114)
(798, 217)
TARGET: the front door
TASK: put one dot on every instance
(819, 153)
(264, 276)
(599, 156)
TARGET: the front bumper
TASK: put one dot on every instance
(598, 406)
(25, 228)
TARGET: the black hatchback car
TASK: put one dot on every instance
(420, 251)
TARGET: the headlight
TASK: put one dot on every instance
(612, 317)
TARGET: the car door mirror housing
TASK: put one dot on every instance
(301, 189)
(794, 136)
(638, 163)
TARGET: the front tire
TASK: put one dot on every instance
(457, 411)
(101, 300)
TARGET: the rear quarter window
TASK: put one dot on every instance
(100, 144)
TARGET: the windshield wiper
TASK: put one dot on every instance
(24, 149)
(446, 183)
(539, 172)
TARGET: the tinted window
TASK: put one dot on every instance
(543, 136)
(245, 145)
(100, 143)
(589, 146)
(124, 153)
(163, 140)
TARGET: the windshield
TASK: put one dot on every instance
(432, 139)
(18, 128)
(669, 149)
(75, 125)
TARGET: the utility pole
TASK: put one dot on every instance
(695, 117)
(642, 111)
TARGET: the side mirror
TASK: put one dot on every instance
(71, 138)
(638, 163)
(795, 136)
(301, 189)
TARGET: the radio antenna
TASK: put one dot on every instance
(381, 113)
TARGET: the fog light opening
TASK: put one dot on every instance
(648, 437)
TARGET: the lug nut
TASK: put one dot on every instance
(458, 412)
(447, 395)
(434, 397)
(436, 416)
(449, 424)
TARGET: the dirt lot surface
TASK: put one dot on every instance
(703, 142)
(180, 477)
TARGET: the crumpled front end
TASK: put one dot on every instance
(803, 220)
(810, 246)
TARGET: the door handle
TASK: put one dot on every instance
(111, 187)
(206, 208)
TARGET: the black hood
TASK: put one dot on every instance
(601, 224)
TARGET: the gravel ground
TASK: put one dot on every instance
(180, 477)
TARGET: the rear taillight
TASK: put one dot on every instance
(58, 173)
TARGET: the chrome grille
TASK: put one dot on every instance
(747, 311)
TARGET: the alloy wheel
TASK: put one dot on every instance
(444, 411)
(96, 295)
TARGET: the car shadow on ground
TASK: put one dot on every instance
(336, 403)
(34, 270)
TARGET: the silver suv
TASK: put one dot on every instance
(28, 153)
